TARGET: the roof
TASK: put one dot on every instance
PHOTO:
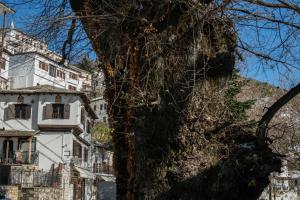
(69, 66)
(13, 133)
(97, 99)
(83, 141)
(5, 9)
(48, 89)
(85, 173)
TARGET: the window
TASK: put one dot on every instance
(18, 111)
(71, 87)
(73, 76)
(104, 119)
(77, 149)
(43, 66)
(82, 119)
(88, 127)
(56, 111)
(61, 74)
(101, 106)
(86, 154)
(95, 107)
(52, 71)
(105, 106)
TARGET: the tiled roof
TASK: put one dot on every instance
(43, 89)
(13, 133)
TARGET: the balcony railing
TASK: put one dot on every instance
(57, 115)
(19, 157)
(25, 178)
(103, 168)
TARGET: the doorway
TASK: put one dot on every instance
(8, 151)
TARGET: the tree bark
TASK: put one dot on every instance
(166, 66)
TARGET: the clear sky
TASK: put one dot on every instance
(252, 67)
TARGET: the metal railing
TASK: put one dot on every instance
(33, 178)
(19, 157)
(57, 115)
(103, 168)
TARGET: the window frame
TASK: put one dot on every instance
(52, 70)
(21, 111)
(60, 111)
(44, 66)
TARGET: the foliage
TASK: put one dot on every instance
(101, 132)
(86, 64)
(236, 108)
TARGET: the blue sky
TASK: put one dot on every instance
(251, 67)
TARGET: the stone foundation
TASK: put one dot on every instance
(41, 193)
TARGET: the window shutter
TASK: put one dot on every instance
(9, 112)
(66, 111)
(28, 111)
(83, 117)
(47, 111)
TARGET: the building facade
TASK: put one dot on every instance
(49, 128)
(33, 69)
(99, 105)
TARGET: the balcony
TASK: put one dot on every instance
(103, 168)
(19, 158)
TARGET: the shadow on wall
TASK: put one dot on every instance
(49, 150)
(106, 190)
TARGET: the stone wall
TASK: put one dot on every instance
(23, 175)
(41, 193)
(11, 192)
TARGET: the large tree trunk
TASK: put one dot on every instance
(166, 66)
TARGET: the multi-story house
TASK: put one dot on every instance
(16, 41)
(31, 69)
(4, 54)
(98, 84)
(48, 128)
(32, 63)
(99, 106)
(4, 66)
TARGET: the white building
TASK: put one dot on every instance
(4, 54)
(32, 63)
(49, 127)
(16, 41)
(4, 66)
(282, 185)
(99, 105)
(32, 69)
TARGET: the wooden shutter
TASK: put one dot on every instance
(47, 111)
(82, 117)
(10, 112)
(28, 112)
(66, 111)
